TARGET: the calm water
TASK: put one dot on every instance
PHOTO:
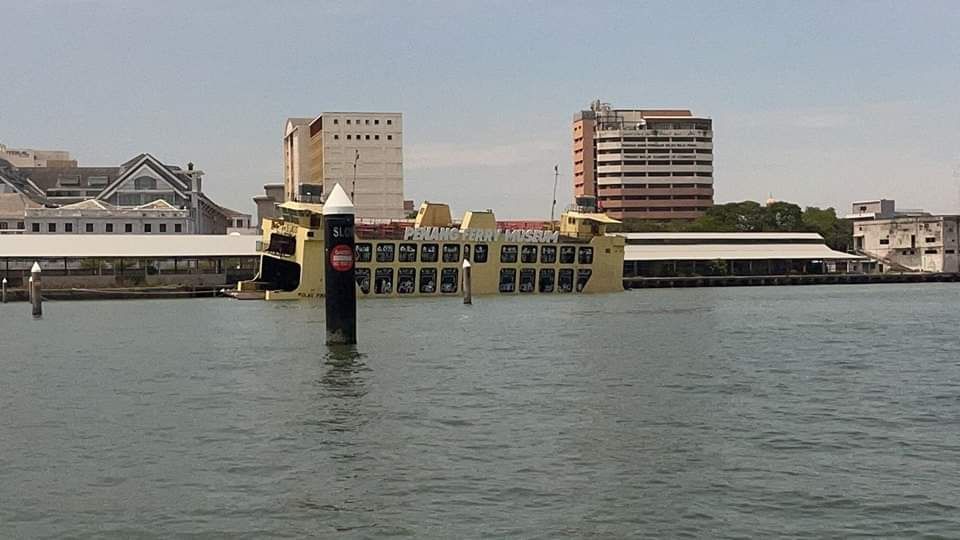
(790, 411)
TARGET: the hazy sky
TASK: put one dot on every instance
(818, 103)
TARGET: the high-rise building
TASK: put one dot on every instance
(654, 164)
(361, 151)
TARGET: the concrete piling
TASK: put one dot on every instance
(340, 286)
(36, 291)
(467, 283)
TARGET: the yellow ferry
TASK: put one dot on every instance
(425, 258)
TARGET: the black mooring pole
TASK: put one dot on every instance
(340, 288)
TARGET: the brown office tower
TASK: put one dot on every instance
(654, 164)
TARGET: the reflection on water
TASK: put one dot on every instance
(705, 412)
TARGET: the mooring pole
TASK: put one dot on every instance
(36, 291)
(339, 283)
(467, 283)
(3, 293)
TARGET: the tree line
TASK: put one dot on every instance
(751, 216)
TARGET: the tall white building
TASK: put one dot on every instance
(362, 151)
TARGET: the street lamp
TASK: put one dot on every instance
(356, 158)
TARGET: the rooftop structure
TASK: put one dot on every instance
(30, 157)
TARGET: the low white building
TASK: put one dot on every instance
(906, 241)
(98, 217)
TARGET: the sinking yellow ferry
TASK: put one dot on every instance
(425, 258)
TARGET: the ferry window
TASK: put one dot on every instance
(548, 254)
(546, 280)
(466, 252)
(508, 254)
(528, 254)
(528, 278)
(428, 253)
(407, 253)
(281, 244)
(508, 280)
(448, 280)
(364, 252)
(362, 275)
(585, 256)
(583, 276)
(568, 254)
(385, 252)
(480, 253)
(406, 280)
(428, 280)
(451, 253)
(383, 281)
(565, 280)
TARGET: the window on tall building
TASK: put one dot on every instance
(335, 121)
(336, 137)
(348, 121)
(367, 122)
(177, 227)
(147, 228)
(20, 225)
(89, 227)
(389, 137)
(35, 227)
(163, 227)
(376, 137)
(68, 227)
(128, 227)
(3, 225)
(108, 227)
(367, 137)
(51, 227)
(389, 122)
(376, 122)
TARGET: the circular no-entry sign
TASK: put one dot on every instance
(341, 258)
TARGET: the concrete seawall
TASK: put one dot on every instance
(805, 279)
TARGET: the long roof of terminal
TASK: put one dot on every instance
(43, 246)
(734, 251)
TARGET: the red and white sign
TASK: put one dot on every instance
(341, 258)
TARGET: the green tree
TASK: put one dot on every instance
(782, 217)
(837, 232)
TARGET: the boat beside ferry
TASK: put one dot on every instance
(425, 257)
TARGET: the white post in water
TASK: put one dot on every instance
(467, 282)
(3, 293)
(36, 291)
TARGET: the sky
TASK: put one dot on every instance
(818, 103)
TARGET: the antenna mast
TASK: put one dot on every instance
(556, 176)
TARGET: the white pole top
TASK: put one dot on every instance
(35, 269)
(4, 281)
(338, 203)
(466, 263)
